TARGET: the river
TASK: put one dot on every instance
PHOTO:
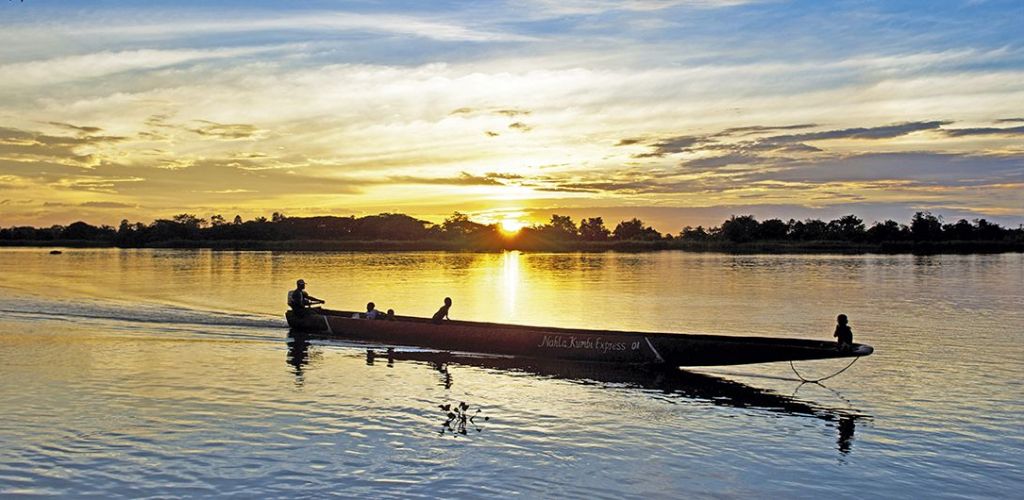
(137, 373)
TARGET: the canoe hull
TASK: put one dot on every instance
(567, 344)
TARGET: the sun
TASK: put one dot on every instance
(511, 226)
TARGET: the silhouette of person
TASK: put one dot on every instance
(299, 300)
(372, 312)
(843, 334)
(442, 313)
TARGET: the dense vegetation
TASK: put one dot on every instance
(925, 233)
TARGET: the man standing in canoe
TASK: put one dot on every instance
(299, 300)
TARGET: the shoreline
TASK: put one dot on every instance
(765, 247)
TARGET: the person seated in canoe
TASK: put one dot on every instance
(299, 300)
(372, 312)
(442, 313)
(843, 335)
(391, 315)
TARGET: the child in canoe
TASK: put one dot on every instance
(843, 335)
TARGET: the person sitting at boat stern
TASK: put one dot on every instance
(843, 335)
(391, 315)
(442, 313)
(299, 300)
(372, 312)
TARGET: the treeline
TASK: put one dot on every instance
(926, 232)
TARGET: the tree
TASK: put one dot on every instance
(959, 231)
(459, 225)
(80, 231)
(217, 220)
(989, 231)
(889, 230)
(808, 230)
(238, 220)
(386, 227)
(277, 217)
(561, 227)
(634, 229)
(773, 229)
(593, 229)
(926, 227)
(740, 229)
(698, 234)
(846, 228)
(189, 220)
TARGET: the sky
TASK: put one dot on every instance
(680, 112)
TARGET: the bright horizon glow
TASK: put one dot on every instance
(586, 109)
(511, 226)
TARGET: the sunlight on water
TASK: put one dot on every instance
(167, 372)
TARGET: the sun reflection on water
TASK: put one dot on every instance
(510, 278)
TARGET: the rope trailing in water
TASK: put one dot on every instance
(817, 381)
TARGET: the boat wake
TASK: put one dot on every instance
(149, 315)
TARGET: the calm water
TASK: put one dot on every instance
(163, 372)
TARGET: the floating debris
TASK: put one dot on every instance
(459, 420)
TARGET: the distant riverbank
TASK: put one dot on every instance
(781, 247)
(926, 234)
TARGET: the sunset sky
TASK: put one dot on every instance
(680, 112)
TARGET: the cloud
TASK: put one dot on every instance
(945, 168)
(863, 133)
(229, 191)
(756, 129)
(630, 141)
(226, 131)
(508, 112)
(324, 22)
(520, 126)
(965, 132)
(749, 149)
(106, 204)
(594, 7)
(501, 175)
(95, 183)
(80, 129)
(668, 146)
(81, 67)
(463, 179)
(25, 146)
(512, 113)
(728, 159)
(91, 204)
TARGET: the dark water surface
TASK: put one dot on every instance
(136, 373)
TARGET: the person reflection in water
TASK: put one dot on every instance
(298, 356)
(846, 429)
(843, 335)
(442, 313)
(299, 300)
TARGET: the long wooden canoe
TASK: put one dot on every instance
(611, 346)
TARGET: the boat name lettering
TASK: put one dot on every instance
(574, 342)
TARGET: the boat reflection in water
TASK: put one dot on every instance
(662, 381)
